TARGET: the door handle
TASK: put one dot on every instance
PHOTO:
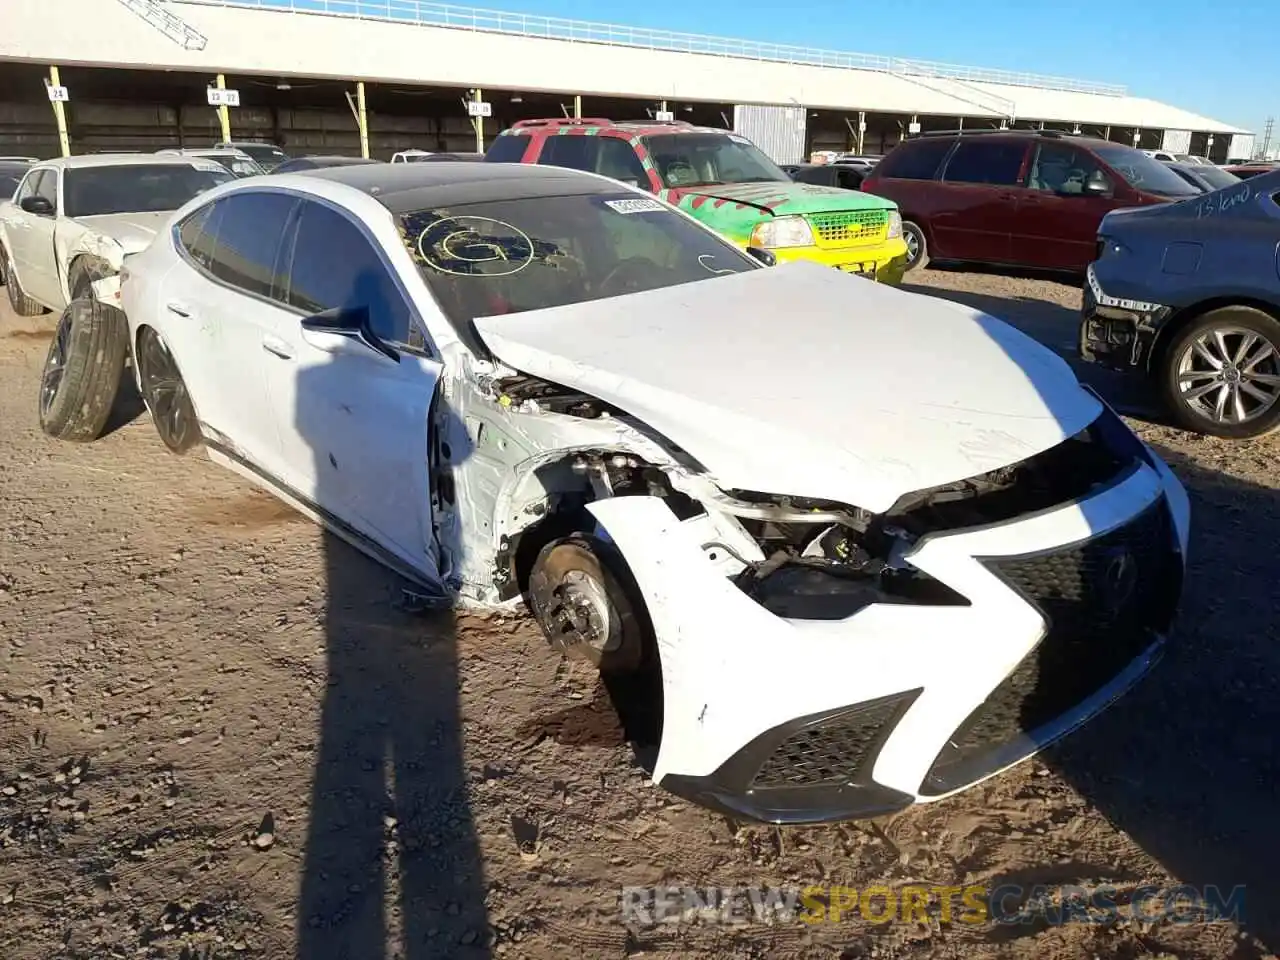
(178, 310)
(273, 344)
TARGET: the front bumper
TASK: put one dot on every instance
(885, 262)
(1115, 332)
(790, 721)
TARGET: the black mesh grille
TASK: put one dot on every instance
(1104, 601)
(833, 750)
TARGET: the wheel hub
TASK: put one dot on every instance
(580, 611)
(1229, 375)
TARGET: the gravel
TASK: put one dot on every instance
(223, 736)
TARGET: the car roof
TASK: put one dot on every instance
(116, 160)
(635, 128)
(1076, 138)
(405, 187)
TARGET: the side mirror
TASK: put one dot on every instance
(1097, 185)
(764, 256)
(347, 325)
(39, 206)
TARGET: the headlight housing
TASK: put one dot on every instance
(782, 232)
(895, 225)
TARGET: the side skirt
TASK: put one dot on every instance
(432, 593)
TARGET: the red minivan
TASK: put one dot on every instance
(1027, 198)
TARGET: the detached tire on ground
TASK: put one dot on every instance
(1221, 374)
(82, 371)
(585, 600)
(917, 246)
(22, 305)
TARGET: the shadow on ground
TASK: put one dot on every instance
(1186, 764)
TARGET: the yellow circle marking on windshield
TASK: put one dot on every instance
(467, 245)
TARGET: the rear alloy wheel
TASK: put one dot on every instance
(580, 594)
(82, 371)
(165, 393)
(917, 247)
(22, 305)
(1221, 375)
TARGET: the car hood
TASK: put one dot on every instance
(805, 381)
(781, 197)
(133, 231)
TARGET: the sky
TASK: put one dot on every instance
(1182, 52)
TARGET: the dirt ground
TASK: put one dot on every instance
(221, 735)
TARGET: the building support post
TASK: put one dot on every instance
(224, 112)
(60, 114)
(362, 118)
(577, 106)
(1107, 134)
(477, 96)
(862, 130)
(960, 124)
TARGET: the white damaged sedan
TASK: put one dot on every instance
(849, 588)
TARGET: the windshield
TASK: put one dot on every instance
(1215, 178)
(698, 159)
(1144, 173)
(266, 154)
(508, 256)
(240, 166)
(135, 188)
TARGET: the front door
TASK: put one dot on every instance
(353, 423)
(1057, 222)
(31, 240)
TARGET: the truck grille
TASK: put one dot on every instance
(1104, 602)
(849, 228)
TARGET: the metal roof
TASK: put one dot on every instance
(381, 41)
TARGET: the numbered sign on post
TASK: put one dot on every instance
(223, 98)
(664, 116)
(58, 94)
(913, 128)
(478, 108)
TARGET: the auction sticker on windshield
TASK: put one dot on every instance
(639, 205)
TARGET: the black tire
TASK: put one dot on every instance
(82, 371)
(84, 272)
(4, 266)
(584, 598)
(165, 394)
(22, 305)
(1203, 397)
(917, 246)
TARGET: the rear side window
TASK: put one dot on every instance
(199, 234)
(336, 265)
(997, 162)
(507, 149)
(250, 231)
(618, 160)
(577, 152)
(915, 160)
(849, 179)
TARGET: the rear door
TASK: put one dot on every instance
(353, 423)
(1057, 222)
(975, 213)
(223, 302)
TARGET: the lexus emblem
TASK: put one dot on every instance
(1119, 579)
